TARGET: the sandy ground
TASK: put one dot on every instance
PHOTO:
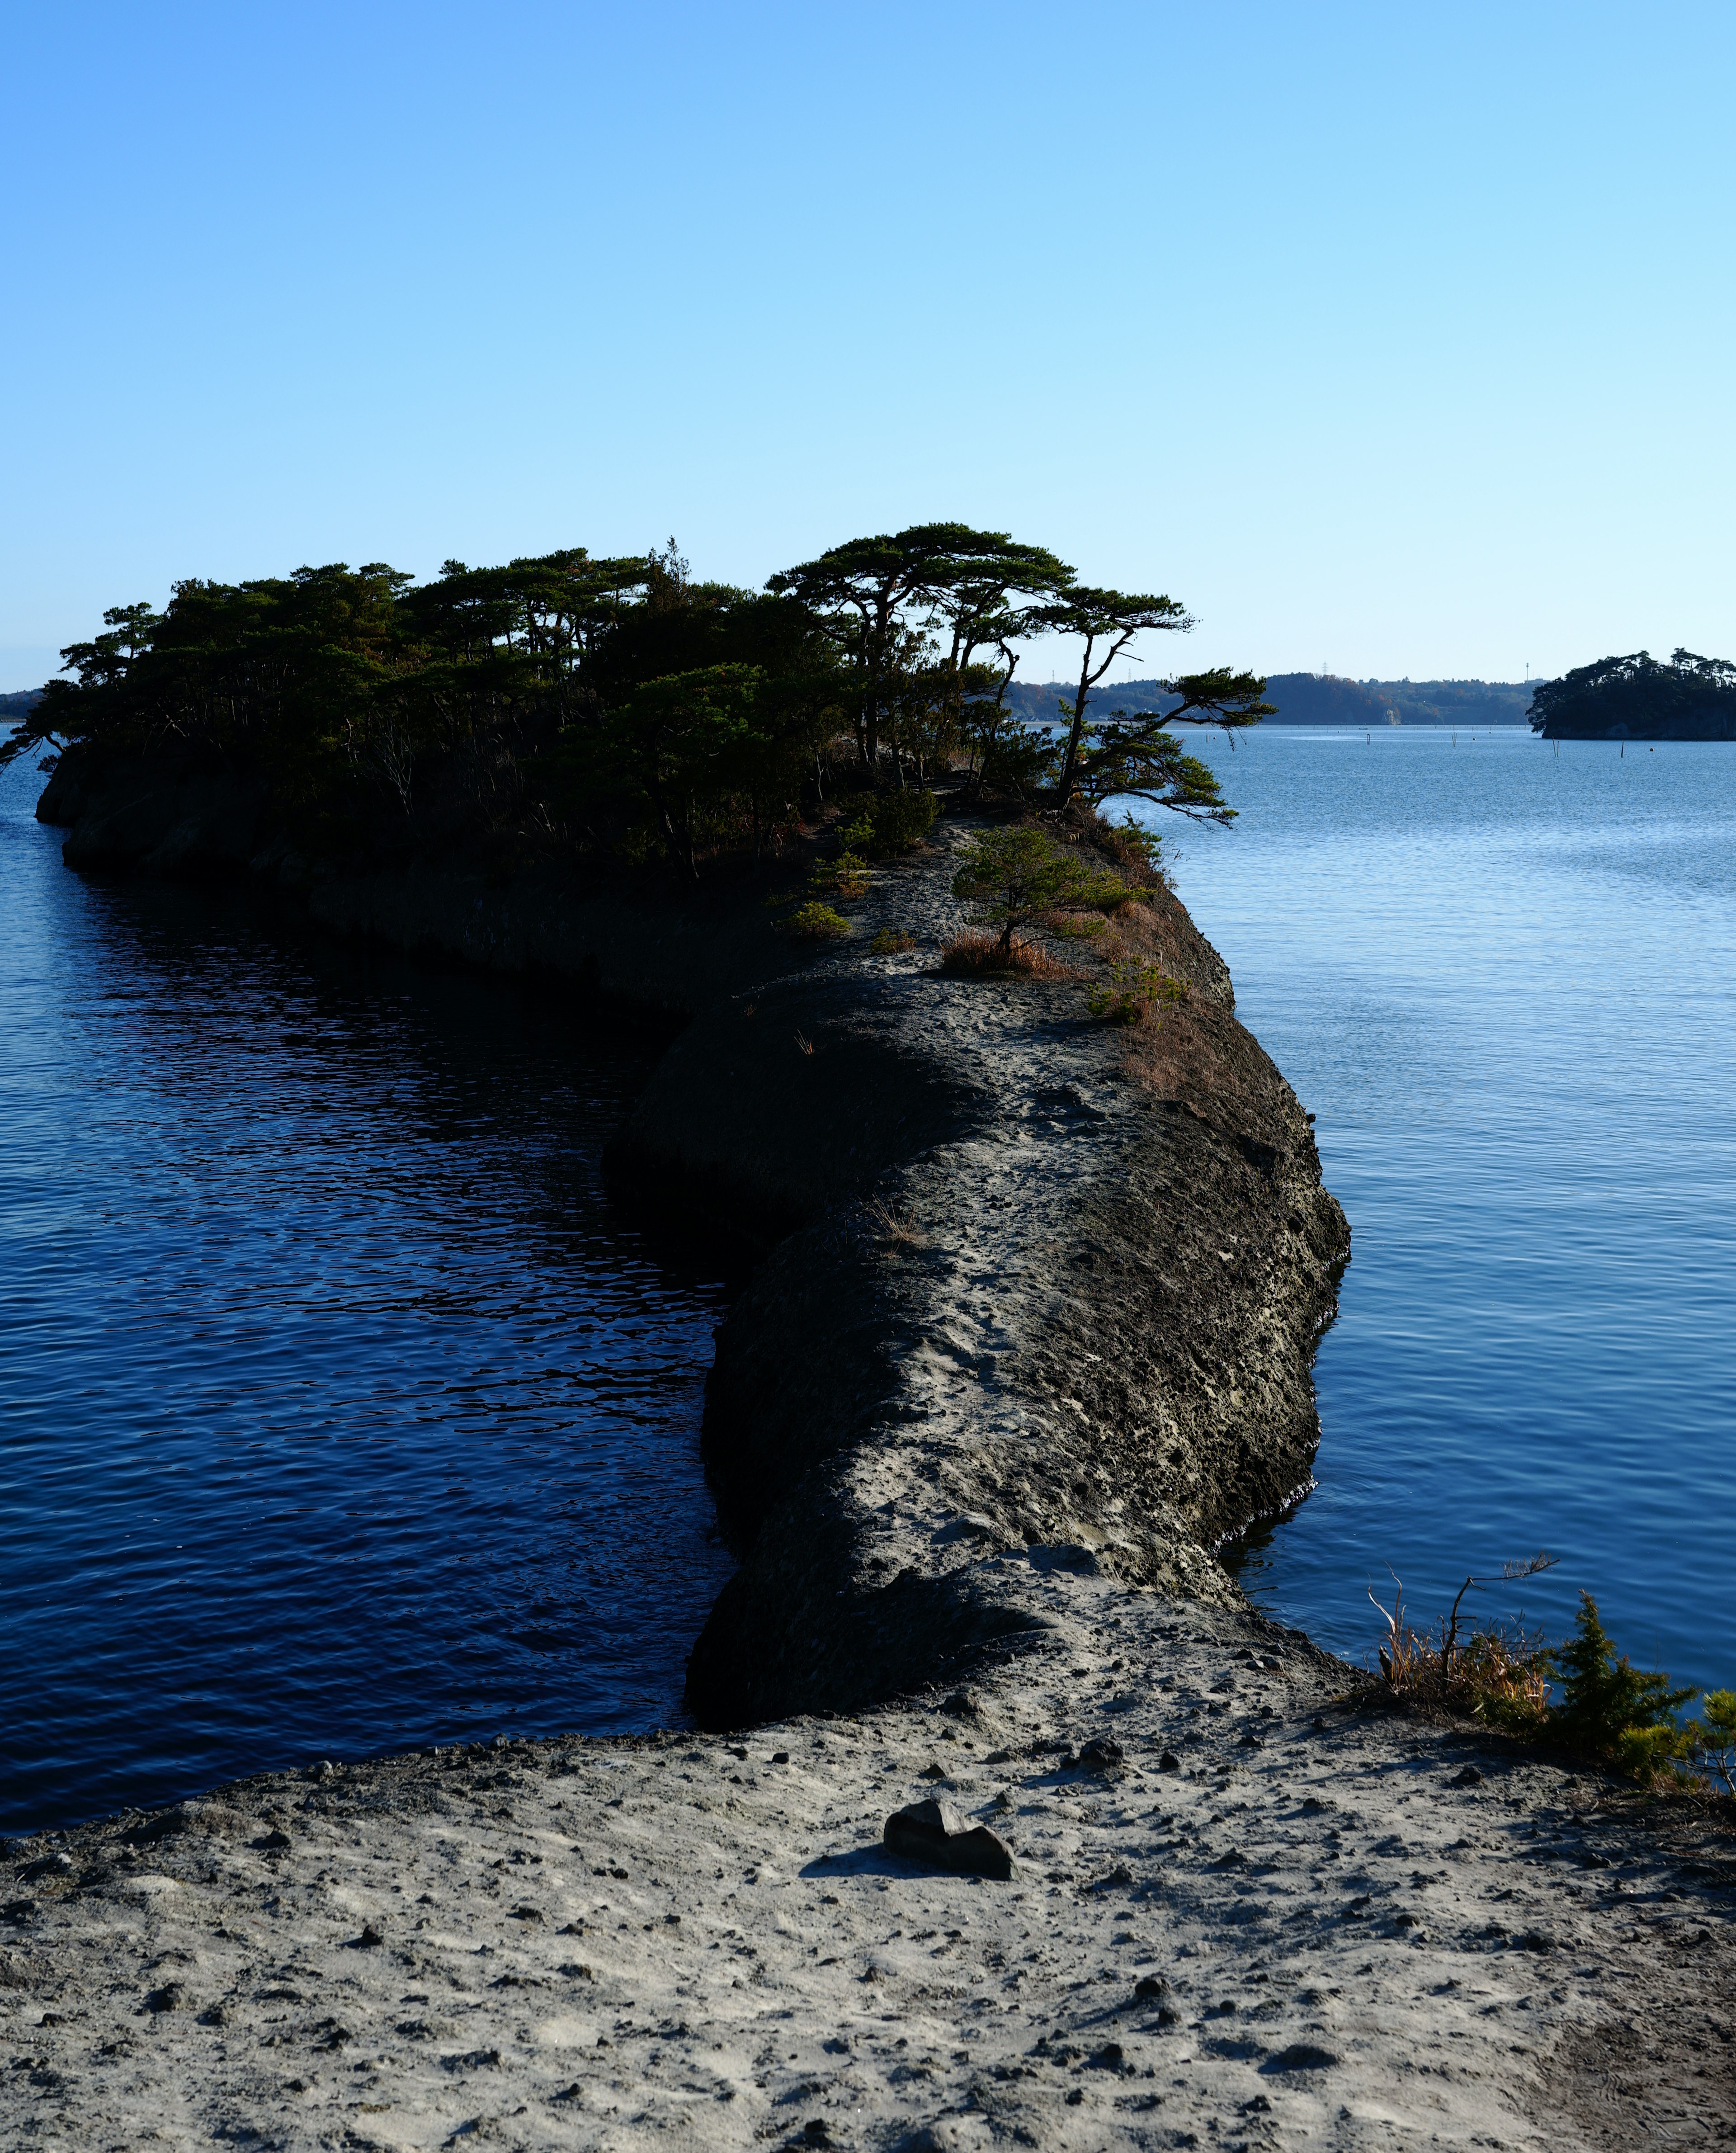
(1275, 1921)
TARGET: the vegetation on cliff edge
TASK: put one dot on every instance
(619, 707)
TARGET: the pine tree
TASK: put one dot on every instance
(1611, 1710)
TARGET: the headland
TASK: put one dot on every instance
(1029, 1336)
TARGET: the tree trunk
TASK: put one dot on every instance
(1064, 786)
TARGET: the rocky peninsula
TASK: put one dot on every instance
(1028, 1337)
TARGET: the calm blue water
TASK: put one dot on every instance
(1505, 982)
(337, 1414)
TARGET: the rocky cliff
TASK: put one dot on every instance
(1033, 1292)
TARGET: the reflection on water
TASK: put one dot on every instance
(1506, 980)
(339, 1413)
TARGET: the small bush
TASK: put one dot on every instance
(1498, 1676)
(1135, 846)
(901, 821)
(816, 922)
(1106, 894)
(1078, 930)
(1713, 1740)
(1022, 761)
(1609, 1709)
(977, 956)
(847, 876)
(880, 825)
(892, 941)
(1133, 991)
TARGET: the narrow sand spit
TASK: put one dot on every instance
(1031, 1332)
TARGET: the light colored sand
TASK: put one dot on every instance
(595, 1944)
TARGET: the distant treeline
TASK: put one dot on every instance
(1321, 699)
(611, 706)
(1640, 697)
(17, 706)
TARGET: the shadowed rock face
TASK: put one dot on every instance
(1073, 1325)
(1034, 1292)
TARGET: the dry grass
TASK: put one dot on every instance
(899, 1232)
(975, 954)
(1498, 1676)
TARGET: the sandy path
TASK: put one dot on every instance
(588, 1944)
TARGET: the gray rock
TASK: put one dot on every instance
(935, 1833)
(1103, 1754)
(1301, 2056)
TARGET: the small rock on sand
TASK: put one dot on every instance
(935, 1833)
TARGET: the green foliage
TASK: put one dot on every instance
(1135, 843)
(1021, 760)
(1611, 1710)
(1013, 876)
(1133, 991)
(846, 875)
(816, 922)
(1608, 1711)
(899, 821)
(1712, 1739)
(1690, 698)
(892, 941)
(880, 825)
(617, 705)
(889, 601)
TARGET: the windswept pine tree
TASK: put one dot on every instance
(599, 707)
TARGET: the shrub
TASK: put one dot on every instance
(1078, 930)
(1108, 893)
(1133, 991)
(1133, 845)
(901, 821)
(1013, 876)
(816, 922)
(975, 956)
(892, 941)
(847, 876)
(1610, 1710)
(881, 824)
(1022, 761)
(1713, 1740)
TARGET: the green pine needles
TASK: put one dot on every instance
(1607, 1711)
(1610, 1710)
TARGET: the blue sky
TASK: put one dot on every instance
(1392, 340)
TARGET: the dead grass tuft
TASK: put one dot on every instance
(901, 1232)
(975, 954)
(1498, 1674)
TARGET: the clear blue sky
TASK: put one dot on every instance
(1392, 339)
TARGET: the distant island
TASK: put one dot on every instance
(1640, 697)
(1318, 699)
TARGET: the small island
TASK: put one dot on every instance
(1640, 698)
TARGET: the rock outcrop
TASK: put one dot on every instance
(1033, 1291)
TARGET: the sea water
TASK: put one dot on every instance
(1502, 976)
(338, 1412)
